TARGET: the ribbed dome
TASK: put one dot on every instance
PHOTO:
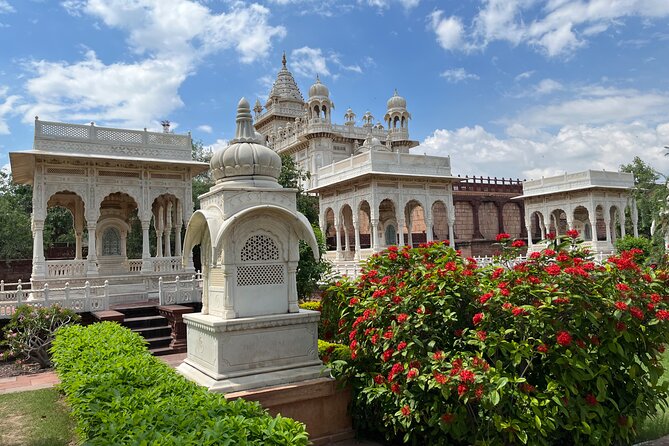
(396, 101)
(285, 86)
(246, 159)
(318, 89)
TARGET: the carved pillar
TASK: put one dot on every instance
(375, 234)
(77, 245)
(292, 288)
(177, 238)
(337, 239)
(92, 258)
(475, 213)
(547, 226)
(39, 262)
(346, 238)
(147, 266)
(428, 229)
(356, 234)
(622, 223)
(168, 230)
(607, 223)
(124, 240)
(409, 231)
(400, 232)
(635, 217)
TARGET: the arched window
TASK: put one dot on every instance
(111, 242)
(391, 235)
(261, 263)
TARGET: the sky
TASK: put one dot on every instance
(506, 88)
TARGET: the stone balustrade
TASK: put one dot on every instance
(65, 268)
(180, 291)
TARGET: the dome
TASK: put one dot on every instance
(318, 89)
(396, 101)
(246, 160)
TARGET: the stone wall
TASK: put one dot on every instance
(464, 221)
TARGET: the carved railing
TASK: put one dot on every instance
(180, 291)
(488, 184)
(167, 264)
(65, 268)
(79, 299)
(135, 265)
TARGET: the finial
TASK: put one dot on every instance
(283, 59)
(244, 131)
(396, 92)
(318, 79)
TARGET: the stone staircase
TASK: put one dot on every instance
(145, 319)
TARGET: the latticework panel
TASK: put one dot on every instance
(65, 131)
(259, 248)
(253, 275)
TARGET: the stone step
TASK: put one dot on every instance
(160, 342)
(137, 308)
(161, 351)
(154, 332)
(145, 322)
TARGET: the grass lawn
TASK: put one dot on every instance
(35, 418)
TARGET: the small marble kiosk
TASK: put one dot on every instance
(251, 332)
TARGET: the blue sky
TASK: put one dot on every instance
(519, 88)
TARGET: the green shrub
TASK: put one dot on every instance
(330, 351)
(552, 351)
(30, 331)
(629, 242)
(121, 394)
(312, 305)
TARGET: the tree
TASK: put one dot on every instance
(648, 193)
(309, 271)
(15, 208)
(202, 182)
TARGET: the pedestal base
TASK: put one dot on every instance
(230, 355)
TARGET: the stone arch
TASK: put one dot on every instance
(615, 216)
(365, 224)
(537, 229)
(581, 222)
(599, 232)
(512, 219)
(72, 229)
(489, 220)
(329, 231)
(415, 222)
(439, 221)
(464, 221)
(558, 222)
(347, 235)
(388, 221)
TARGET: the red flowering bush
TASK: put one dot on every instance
(541, 352)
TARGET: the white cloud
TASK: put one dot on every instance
(219, 144)
(205, 128)
(171, 37)
(531, 154)
(557, 28)
(8, 104)
(5, 7)
(309, 62)
(524, 75)
(599, 107)
(449, 30)
(456, 75)
(383, 4)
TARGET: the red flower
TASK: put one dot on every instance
(655, 298)
(353, 301)
(573, 233)
(441, 379)
(401, 346)
(478, 392)
(392, 256)
(561, 300)
(481, 335)
(388, 334)
(379, 379)
(374, 339)
(543, 348)
(467, 376)
(662, 315)
(412, 373)
(396, 299)
(395, 388)
(448, 418)
(402, 317)
(483, 299)
(620, 326)
(548, 252)
(623, 287)
(535, 255)
(562, 257)
(622, 306)
(462, 389)
(550, 236)
(458, 332)
(438, 355)
(553, 269)
(563, 338)
(352, 334)
(498, 272)
(590, 400)
(580, 343)
(518, 244)
(406, 410)
(353, 344)
(388, 354)
(503, 236)
(527, 388)
(517, 311)
(637, 313)
(478, 317)
(506, 306)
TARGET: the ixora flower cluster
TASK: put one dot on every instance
(553, 350)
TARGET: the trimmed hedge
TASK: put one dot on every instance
(330, 351)
(121, 394)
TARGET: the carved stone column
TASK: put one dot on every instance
(607, 223)
(92, 258)
(428, 230)
(168, 230)
(356, 233)
(338, 239)
(77, 245)
(39, 262)
(375, 234)
(147, 266)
